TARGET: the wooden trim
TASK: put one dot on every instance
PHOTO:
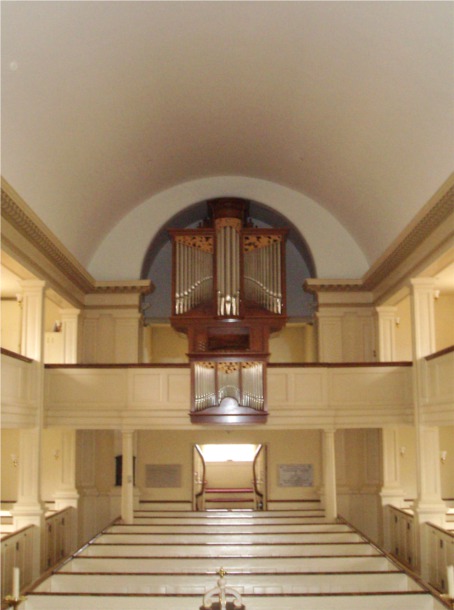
(7, 352)
(11, 534)
(442, 352)
(165, 502)
(217, 525)
(57, 512)
(449, 533)
(233, 544)
(401, 510)
(248, 596)
(126, 365)
(331, 365)
(204, 557)
(232, 573)
(299, 500)
(201, 515)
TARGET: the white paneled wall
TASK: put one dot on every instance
(300, 397)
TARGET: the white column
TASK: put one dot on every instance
(329, 474)
(29, 496)
(32, 336)
(391, 493)
(86, 484)
(429, 505)
(127, 487)
(386, 322)
(67, 494)
(29, 508)
(70, 330)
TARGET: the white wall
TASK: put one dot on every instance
(10, 325)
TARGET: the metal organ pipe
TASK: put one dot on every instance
(263, 276)
(193, 276)
(228, 271)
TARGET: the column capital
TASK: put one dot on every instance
(33, 284)
(422, 282)
(70, 312)
(386, 310)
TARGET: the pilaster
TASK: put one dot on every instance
(386, 333)
(67, 494)
(32, 335)
(70, 330)
(127, 487)
(329, 474)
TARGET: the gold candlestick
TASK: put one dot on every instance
(447, 598)
(13, 602)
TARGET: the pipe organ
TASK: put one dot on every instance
(228, 295)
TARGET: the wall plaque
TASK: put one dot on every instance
(296, 475)
(163, 475)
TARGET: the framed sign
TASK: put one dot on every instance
(163, 475)
(295, 475)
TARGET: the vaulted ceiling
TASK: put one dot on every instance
(106, 104)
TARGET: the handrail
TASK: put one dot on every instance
(404, 511)
(6, 537)
(125, 365)
(7, 352)
(202, 491)
(185, 365)
(57, 512)
(254, 471)
(449, 533)
(442, 352)
(336, 365)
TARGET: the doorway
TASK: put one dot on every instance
(229, 477)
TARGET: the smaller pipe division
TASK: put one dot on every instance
(242, 381)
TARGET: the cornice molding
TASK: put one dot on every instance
(13, 211)
(439, 211)
(315, 286)
(18, 214)
(124, 287)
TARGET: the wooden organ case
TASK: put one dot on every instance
(228, 295)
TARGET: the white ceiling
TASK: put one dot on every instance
(105, 104)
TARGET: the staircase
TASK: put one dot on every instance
(229, 497)
(276, 560)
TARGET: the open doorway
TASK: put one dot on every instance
(229, 477)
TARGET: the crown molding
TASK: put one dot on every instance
(21, 218)
(431, 217)
(314, 285)
(125, 287)
(425, 239)
(25, 221)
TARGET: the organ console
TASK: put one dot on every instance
(228, 295)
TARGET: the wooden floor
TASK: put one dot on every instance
(277, 560)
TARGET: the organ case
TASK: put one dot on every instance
(228, 295)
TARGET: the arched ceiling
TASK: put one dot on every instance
(106, 104)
